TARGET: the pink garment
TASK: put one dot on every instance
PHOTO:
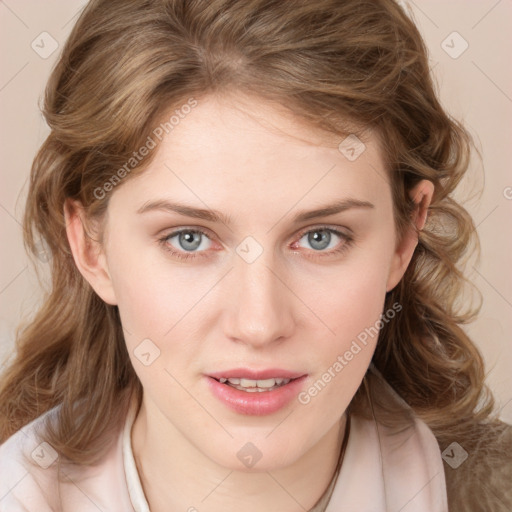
(381, 472)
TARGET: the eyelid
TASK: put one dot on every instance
(339, 229)
(171, 232)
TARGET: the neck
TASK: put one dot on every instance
(176, 476)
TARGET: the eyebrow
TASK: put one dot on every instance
(216, 216)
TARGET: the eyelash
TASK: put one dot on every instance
(348, 240)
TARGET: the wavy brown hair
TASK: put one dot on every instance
(343, 66)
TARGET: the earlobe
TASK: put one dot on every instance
(421, 194)
(88, 254)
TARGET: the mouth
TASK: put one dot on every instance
(255, 392)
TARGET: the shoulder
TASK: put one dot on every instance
(33, 475)
(478, 468)
(404, 437)
(390, 467)
(412, 464)
(27, 470)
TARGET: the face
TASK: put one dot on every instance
(257, 291)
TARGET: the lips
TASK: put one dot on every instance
(255, 400)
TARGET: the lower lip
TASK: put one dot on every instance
(258, 403)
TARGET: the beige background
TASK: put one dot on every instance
(475, 86)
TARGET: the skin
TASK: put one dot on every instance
(291, 308)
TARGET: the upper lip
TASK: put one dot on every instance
(248, 373)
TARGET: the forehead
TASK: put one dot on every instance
(247, 152)
(252, 123)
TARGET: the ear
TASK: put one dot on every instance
(421, 195)
(87, 252)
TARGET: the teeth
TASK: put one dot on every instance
(251, 385)
(245, 383)
(267, 383)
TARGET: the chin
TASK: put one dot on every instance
(254, 454)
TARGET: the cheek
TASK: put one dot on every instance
(352, 296)
(349, 310)
(354, 328)
(144, 297)
(352, 310)
(162, 303)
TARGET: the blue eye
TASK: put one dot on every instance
(188, 239)
(321, 238)
(191, 246)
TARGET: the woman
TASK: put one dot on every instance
(252, 304)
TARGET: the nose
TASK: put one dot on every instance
(261, 303)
